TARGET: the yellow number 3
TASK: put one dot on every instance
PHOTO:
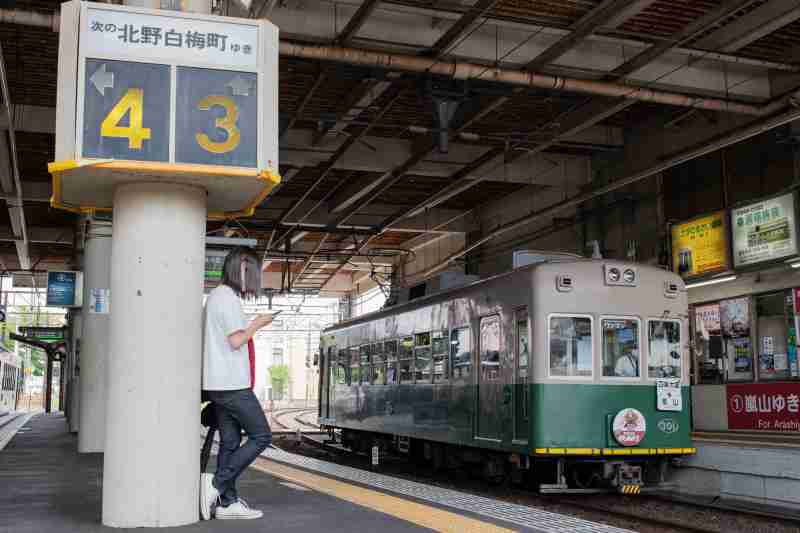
(227, 123)
(132, 101)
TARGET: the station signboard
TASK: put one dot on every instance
(149, 93)
(764, 407)
(764, 231)
(700, 246)
(64, 289)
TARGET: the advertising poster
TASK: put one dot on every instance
(700, 246)
(735, 326)
(764, 406)
(707, 320)
(764, 231)
(61, 289)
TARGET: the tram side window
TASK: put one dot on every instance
(390, 352)
(570, 346)
(378, 365)
(342, 367)
(621, 347)
(461, 353)
(439, 356)
(422, 357)
(664, 343)
(406, 360)
(355, 366)
(365, 354)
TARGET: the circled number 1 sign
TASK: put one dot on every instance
(128, 109)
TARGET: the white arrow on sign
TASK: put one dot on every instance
(239, 86)
(102, 79)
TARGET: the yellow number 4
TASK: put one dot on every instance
(132, 101)
(227, 123)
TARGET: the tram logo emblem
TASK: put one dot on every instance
(629, 427)
(668, 425)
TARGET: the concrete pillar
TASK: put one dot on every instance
(94, 337)
(152, 451)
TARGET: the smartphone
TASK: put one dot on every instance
(274, 313)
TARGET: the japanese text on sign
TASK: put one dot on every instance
(700, 246)
(668, 394)
(766, 407)
(764, 231)
(179, 39)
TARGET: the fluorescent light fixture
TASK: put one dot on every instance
(710, 282)
(796, 264)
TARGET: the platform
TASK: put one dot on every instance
(49, 487)
(758, 471)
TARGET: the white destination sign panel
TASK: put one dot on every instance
(169, 39)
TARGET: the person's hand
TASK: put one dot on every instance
(264, 320)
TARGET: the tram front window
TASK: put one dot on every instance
(620, 347)
(570, 346)
(665, 349)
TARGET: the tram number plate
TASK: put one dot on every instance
(668, 394)
(128, 112)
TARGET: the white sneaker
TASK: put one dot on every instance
(208, 495)
(238, 510)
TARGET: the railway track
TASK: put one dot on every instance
(645, 512)
(280, 419)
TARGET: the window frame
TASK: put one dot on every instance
(410, 359)
(550, 316)
(641, 348)
(422, 347)
(451, 370)
(680, 345)
(445, 336)
(480, 366)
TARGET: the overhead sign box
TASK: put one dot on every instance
(764, 231)
(64, 289)
(146, 95)
(700, 246)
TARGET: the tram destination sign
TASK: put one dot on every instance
(168, 89)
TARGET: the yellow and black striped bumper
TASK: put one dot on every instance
(612, 451)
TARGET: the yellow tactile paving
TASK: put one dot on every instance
(416, 513)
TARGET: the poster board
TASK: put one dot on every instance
(700, 246)
(764, 231)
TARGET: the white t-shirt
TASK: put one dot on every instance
(223, 367)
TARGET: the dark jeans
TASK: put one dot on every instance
(237, 410)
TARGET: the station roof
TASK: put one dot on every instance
(362, 150)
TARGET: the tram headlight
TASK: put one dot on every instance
(613, 275)
(629, 276)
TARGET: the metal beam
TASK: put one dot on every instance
(763, 30)
(580, 30)
(701, 25)
(304, 102)
(460, 27)
(627, 13)
(356, 21)
(747, 29)
(357, 101)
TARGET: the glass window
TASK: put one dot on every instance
(377, 352)
(570, 346)
(422, 357)
(620, 347)
(390, 350)
(405, 366)
(343, 367)
(364, 352)
(277, 356)
(490, 348)
(379, 374)
(461, 353)
(391, 373)
(775, 318)
(439, 356)
(664, 343)
(355, 367)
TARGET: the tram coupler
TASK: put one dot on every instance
(629, 479)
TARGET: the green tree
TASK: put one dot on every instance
(279, 378)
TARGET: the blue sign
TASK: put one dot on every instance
(61, 287)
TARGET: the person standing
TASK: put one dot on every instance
(226, 383)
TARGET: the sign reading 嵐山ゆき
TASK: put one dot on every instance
(764, 406)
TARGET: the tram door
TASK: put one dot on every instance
(330, 371)
(521, 390)
(492, 405)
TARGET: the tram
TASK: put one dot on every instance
(567, 374)
(10, 381)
